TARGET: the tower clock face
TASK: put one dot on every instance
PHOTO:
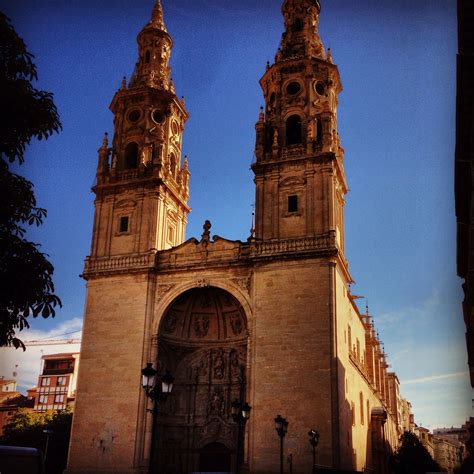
(134, 115)
(158, 116)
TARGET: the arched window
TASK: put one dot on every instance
(361, 399)
(147, 57)
(131, 156)
(298, 25)
(293, 130)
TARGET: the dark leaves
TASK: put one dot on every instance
(26, 285)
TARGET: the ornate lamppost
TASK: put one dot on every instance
(240, 414)
(157, 389)
(281, 426)
(313, 441)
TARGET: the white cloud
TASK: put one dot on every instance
(434, 378)
(27, 365)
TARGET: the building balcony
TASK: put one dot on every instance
(58, 371)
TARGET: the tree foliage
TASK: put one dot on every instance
(27, 429)
(412, 457)
(26, 285)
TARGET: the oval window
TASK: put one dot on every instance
(158, 116)
(134, 115)
(319, 87)
(293, 88)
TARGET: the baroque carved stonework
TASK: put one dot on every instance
(243, 283)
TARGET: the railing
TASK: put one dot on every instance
(320, 242)
(127, 175)
(121, 262)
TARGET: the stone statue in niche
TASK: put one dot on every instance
(201, 369)
(234, 365)
(201, 325)
(216, 403)
(311, 130)
(219, 364)
(171, 322)
(236, 323)
(275, 137)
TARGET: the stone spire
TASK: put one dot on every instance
(156, 20)
(154, 51)
(301, 36)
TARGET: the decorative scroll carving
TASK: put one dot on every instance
(163, 289)
(126, 203)
(202, 283)
(242, 283)
(293, 181)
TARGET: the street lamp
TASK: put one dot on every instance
(240, 414)
(157, 392)
(313, 441)
(281, 426)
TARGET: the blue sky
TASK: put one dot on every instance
(396, 121)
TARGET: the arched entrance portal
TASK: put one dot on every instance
(203, 341)
(214, 457)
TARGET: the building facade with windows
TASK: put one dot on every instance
(57, 382)
(270, 320)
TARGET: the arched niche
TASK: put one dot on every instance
(294, 133)
(130, 157)
(202, 340)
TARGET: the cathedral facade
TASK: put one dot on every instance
(269, 321)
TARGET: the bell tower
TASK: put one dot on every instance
(299, 171)
(142, 184)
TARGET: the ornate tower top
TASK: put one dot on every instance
(299, 160)
(157, 17)
(301, 37)
(146, 154)
(154, 51)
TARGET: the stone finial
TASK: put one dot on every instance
(104, 153)
(206, 235)
(105, 141)
(329, 56)
(267, 67)
(157, 16)
(185, 164)
(123, 84)
(261, 116)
